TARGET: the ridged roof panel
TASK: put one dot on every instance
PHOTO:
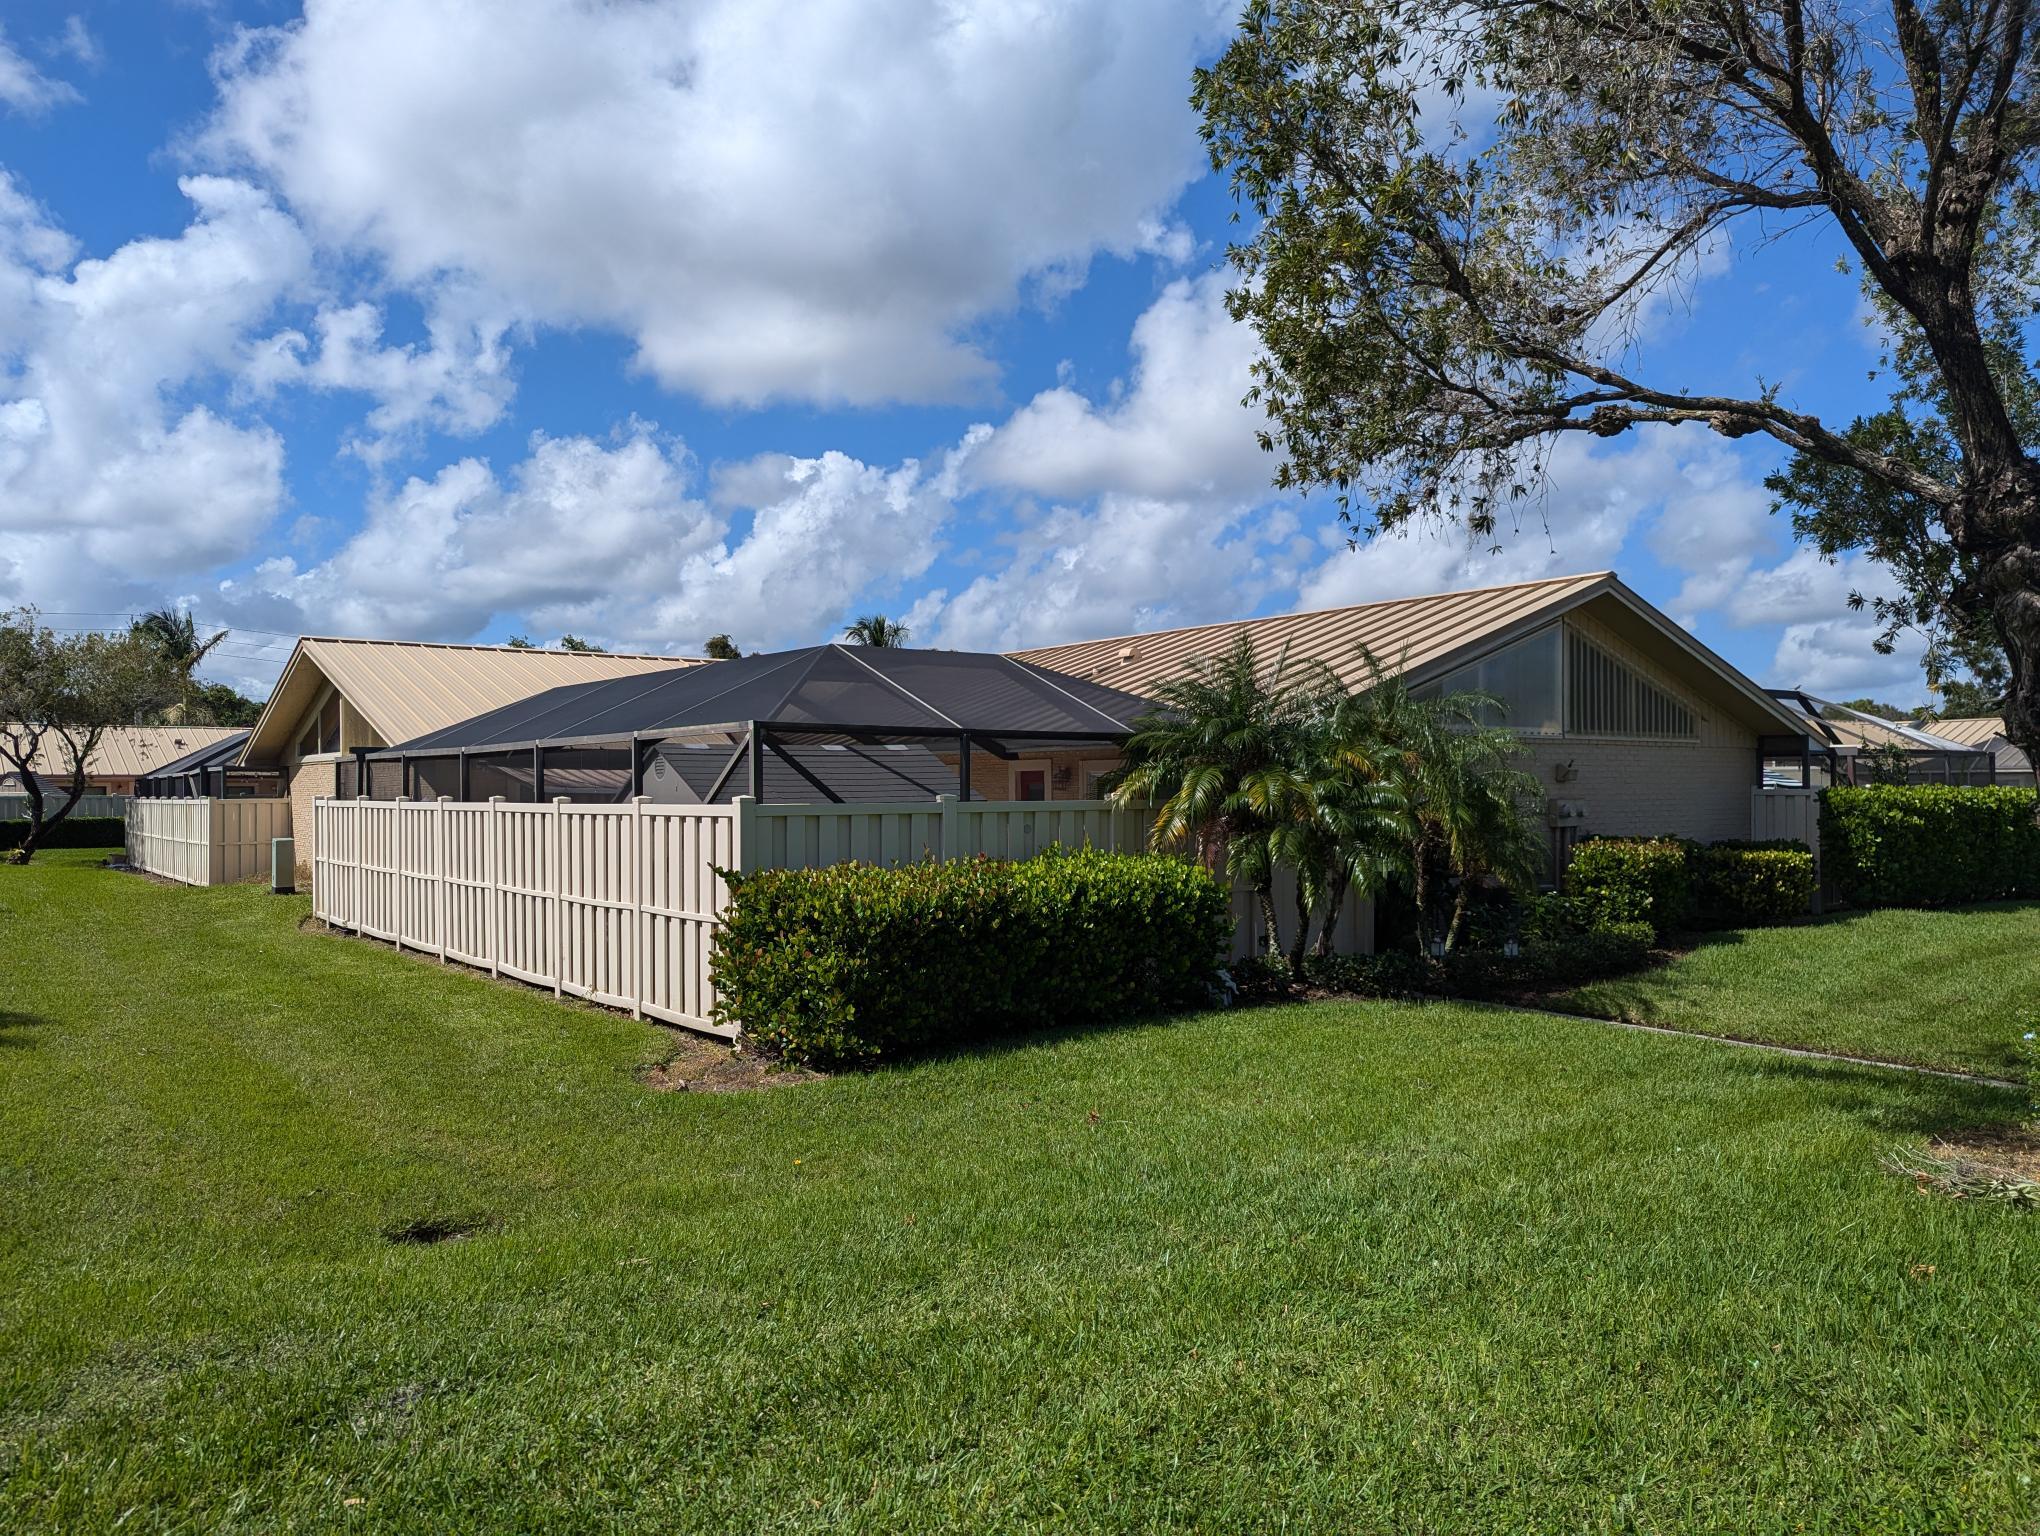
(1403, 634)
(133, 749)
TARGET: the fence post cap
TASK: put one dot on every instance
(561, 800)
(495, 799)
(640, 799)
(743, 800)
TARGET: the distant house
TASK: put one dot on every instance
(124, 754)
(1986, 733)
(1852, 747)
(336, 699)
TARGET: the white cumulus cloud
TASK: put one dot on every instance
(773, 199)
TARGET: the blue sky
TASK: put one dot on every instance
(446, 320)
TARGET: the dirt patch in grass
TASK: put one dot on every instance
(2012, 1150)
(1978, 1163)
(708, 1066)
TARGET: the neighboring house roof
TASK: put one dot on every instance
(1853, 728)
(1423, 637)
(821, 688)
(1969, 730)
(126, 751)
(407, 688)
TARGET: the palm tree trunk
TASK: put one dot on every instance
(1423, 895)
(1458, 912)
(1265, 894)
(1335, 898)
(1301, 942)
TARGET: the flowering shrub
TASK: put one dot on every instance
(853, 963)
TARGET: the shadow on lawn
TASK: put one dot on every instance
(1897, 1103)
(14, 1029)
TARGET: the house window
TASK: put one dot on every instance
(1522, 678)
(1030, 783)
(1606, 697)
(329, 725)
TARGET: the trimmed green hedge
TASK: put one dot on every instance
(1674, 883)
(1929, 844)
(71, 832)
(852, 964)
(1633, 880)
(1742, 885)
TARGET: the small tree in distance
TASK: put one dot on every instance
(60, 694)
(721, 648)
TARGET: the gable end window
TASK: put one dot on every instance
(1522, 678)
(1606, 697)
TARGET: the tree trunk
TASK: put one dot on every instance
(1423, 896)
(39, 821)
(1458, 912)
(1264, 893)
(2000, 532)
(1301, 943)
(1335, 899)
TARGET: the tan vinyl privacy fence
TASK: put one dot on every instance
(205, 842)
(619, 903)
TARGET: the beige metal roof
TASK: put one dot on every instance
(407, 688)
(1416, 635)
(1969, 730)
(128, 750)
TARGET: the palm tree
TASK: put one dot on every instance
(175, 634)
(877, 629)
(1354, 826)
(1220, 763)
(1466, 792)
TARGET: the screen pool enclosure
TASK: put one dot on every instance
(210, 772)
(825, 723)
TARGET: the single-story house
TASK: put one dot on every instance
(1632, 725)
(123, 755)
(338, 698)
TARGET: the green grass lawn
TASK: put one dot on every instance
(1940, 989)
(1355, 1267)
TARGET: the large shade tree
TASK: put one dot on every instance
(1466, 207)
(59, 695)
